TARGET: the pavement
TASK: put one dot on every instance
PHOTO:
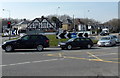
(98, 61)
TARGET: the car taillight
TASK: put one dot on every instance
(47, 41)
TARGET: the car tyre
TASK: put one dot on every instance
(39, 47)
(69, 47)
(89, 46)
(9, 48)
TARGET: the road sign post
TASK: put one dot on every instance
(9, 26)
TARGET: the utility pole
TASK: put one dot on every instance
(74, 24)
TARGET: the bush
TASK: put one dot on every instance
(95, 41)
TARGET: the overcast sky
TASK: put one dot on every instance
(100, 11)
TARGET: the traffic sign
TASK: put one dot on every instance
(73, 35)
(70, 35)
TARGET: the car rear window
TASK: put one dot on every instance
(43, 37)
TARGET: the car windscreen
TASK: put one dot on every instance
(71, 39)
(105, 38)
(114, 36)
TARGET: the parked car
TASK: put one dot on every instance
(27, 42)
(104, 33)
(116, 38)
(76, 42)
(106, 41)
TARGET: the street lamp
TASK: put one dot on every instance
(9, 21)
(57, 11)
(74, 24)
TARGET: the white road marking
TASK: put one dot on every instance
(105, 54)
(31, 62)
(44, 60)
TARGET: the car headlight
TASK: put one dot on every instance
(62, 43)
(4, 42)
(98, 42)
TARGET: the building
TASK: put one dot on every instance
(40, 25)
(82, 26)
(67, 24)
(21, 26)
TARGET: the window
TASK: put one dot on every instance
(36, 24)
(105, 38)
(114, 36)
(77, 39)
(25, 38)
(82, 39)
(34, 37)
(44, 24)
(87, 39)
(72, 39)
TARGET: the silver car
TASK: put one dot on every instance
(116, 38)
(106, 41)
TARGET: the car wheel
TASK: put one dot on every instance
(89, 46)
(69, 47)
(39, 47)
(9, 48)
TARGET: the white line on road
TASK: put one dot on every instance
(31, 62)
(105, 54)
(44, 60)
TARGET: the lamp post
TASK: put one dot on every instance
(58, 16)
(57, 11)
(59, 29)
(74, 24)
(9, 21)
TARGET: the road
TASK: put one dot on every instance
(98, 61)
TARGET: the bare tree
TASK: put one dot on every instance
(115, 23)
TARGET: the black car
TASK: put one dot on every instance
(27, 42)
(76, 42)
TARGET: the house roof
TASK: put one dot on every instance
(40, 20)
(23, 22)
